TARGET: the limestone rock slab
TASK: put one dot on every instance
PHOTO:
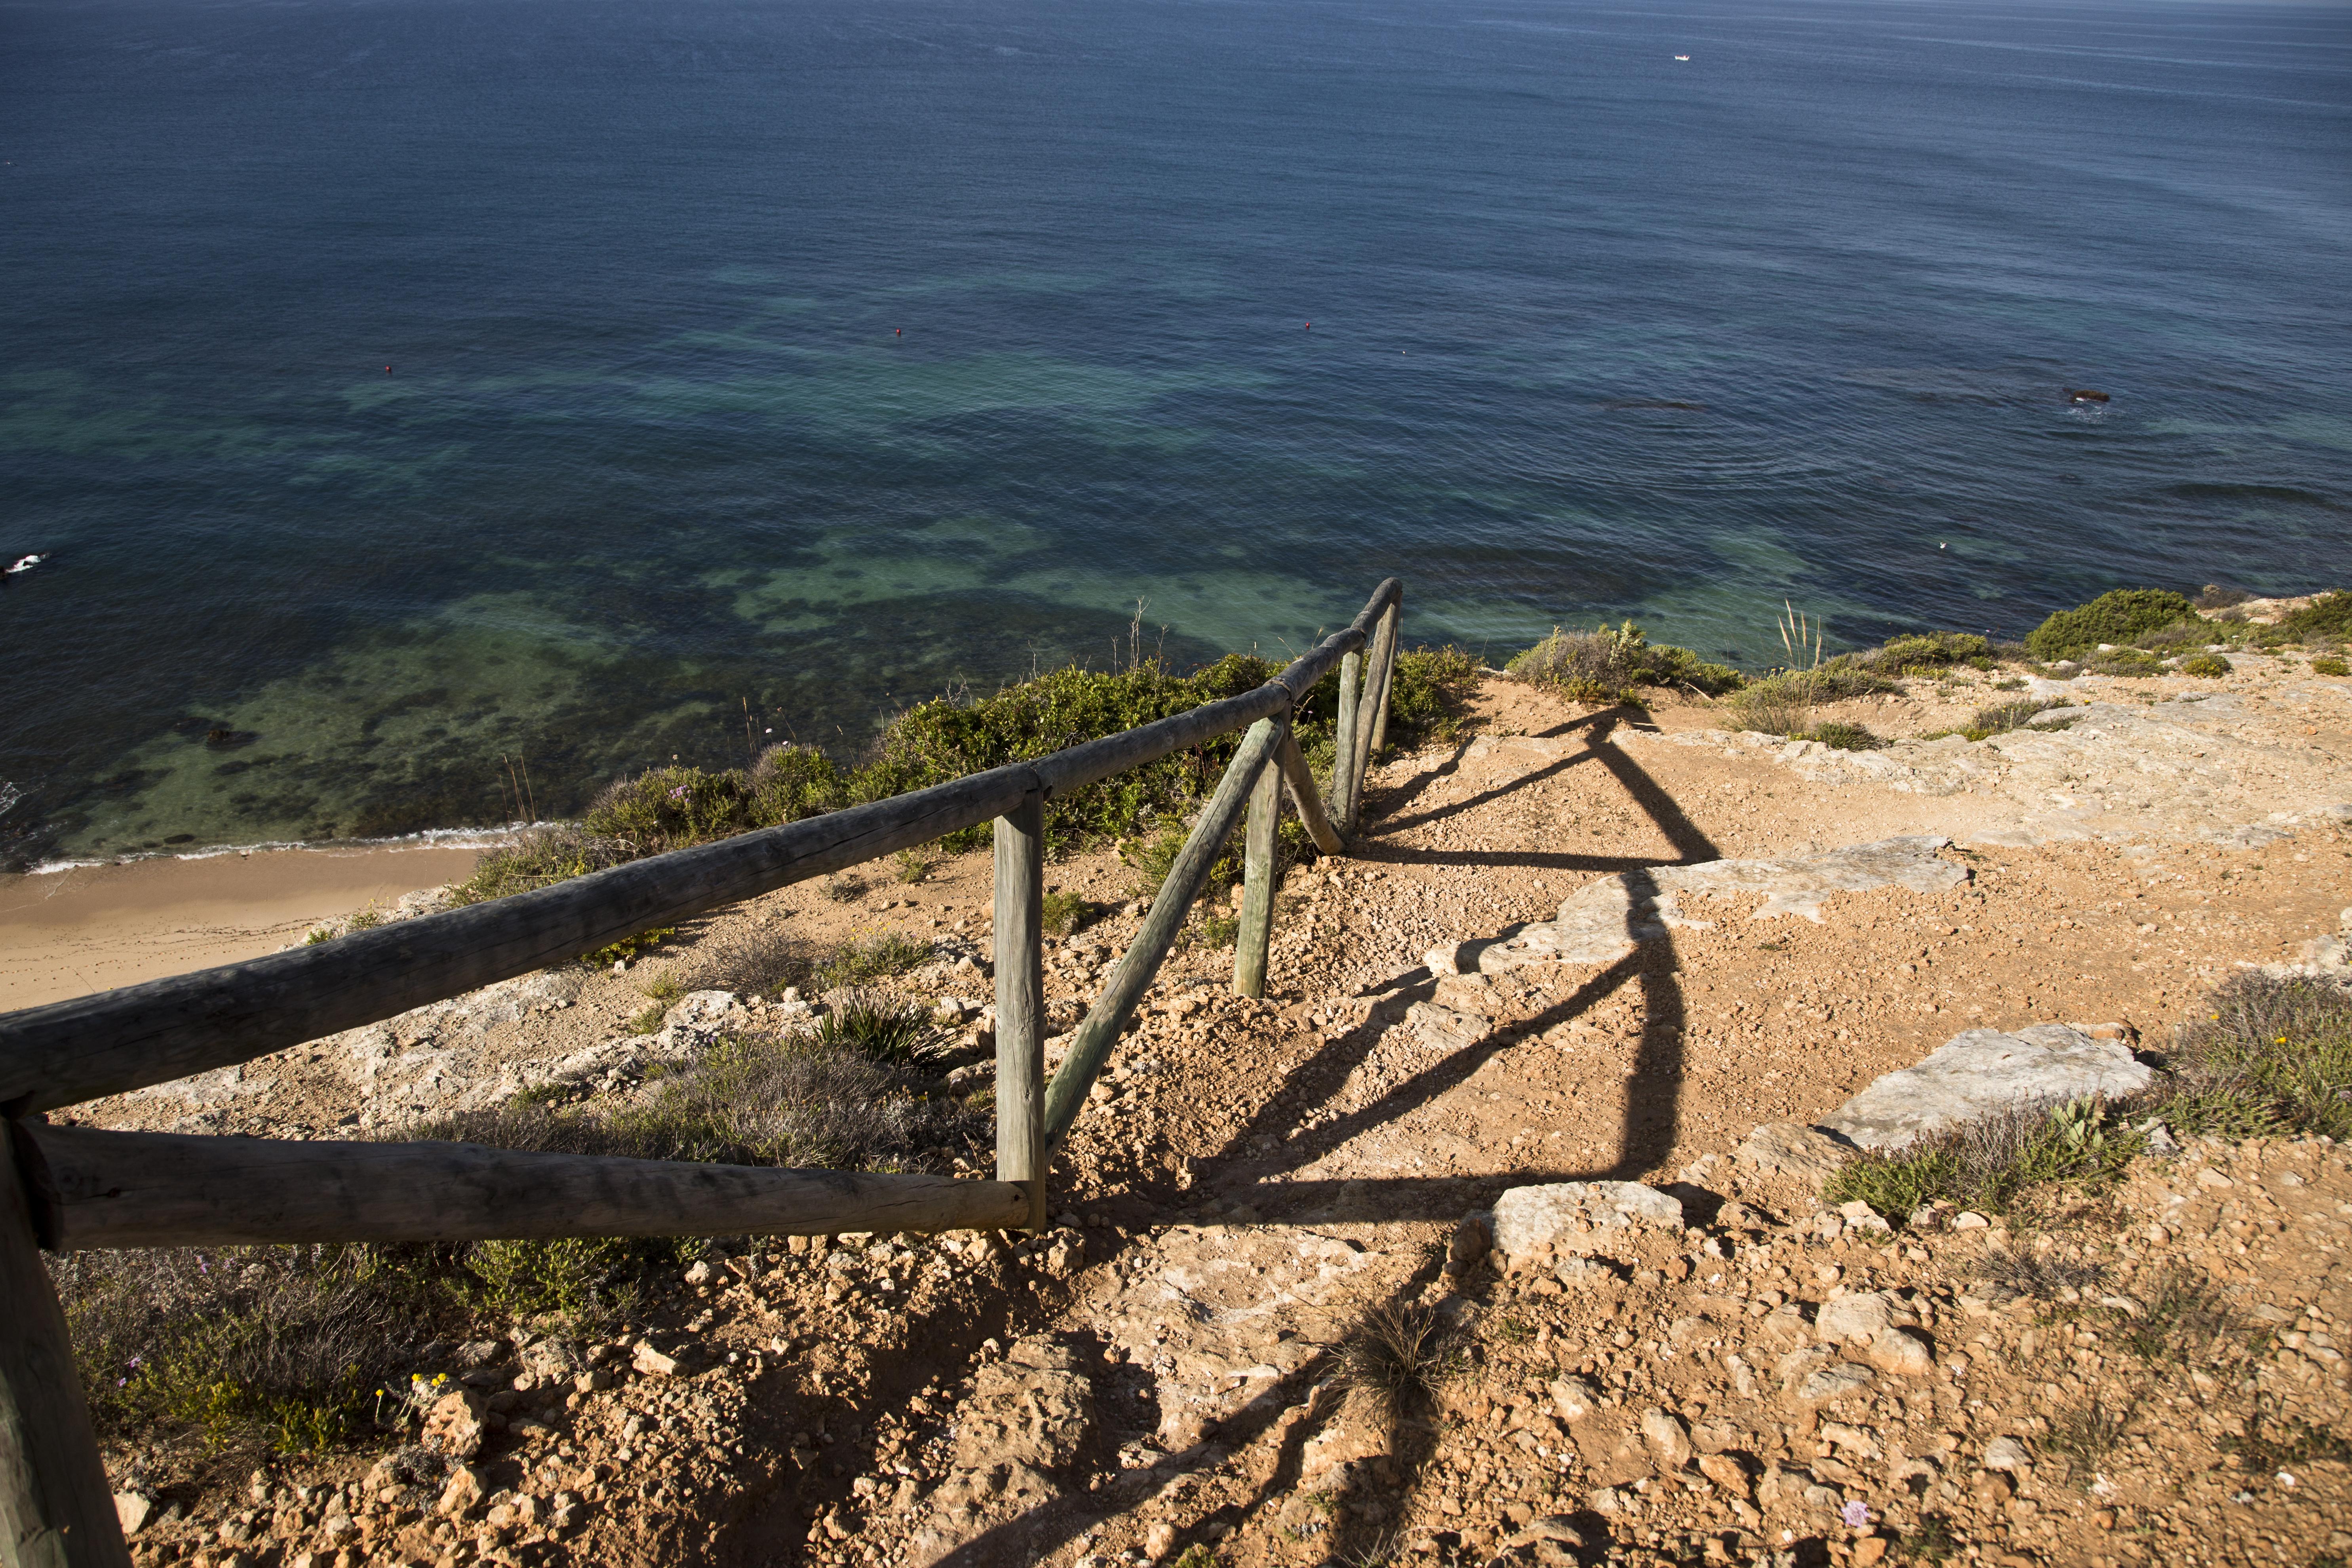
(1577, 1217)
(1984, 1070)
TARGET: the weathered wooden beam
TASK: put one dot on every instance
(1392, 623)
(1305, 797)
(1067, 1095)
(162, 1189)
(1259, 867)
(1021, 1153)
(1343, 749)
(55, 1508)
(1380, 662)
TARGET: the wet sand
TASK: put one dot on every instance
(70, 933)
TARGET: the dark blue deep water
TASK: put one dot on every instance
(1595, 333)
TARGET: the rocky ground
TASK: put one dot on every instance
(1579, 946)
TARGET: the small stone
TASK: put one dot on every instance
(461, 1494)
(1868, 1550)
(1557, 1527)
(1834, 1383)
(1725, 1472)
(1159, 1541)
(2007, 1454)
(1969, 1219)
(1668, 1438)
(131, 1510)
(1573, 1397)
(454, 1425)
(1903, 1352)
(1856, 1320)
(1472, 1240)
(646, 1359)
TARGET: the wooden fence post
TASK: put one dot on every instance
(1343, 753)
(1380, 658)
(1305, 797)
(55, 1511)
(1259, 868)
(1020, 1153)
(1391, 623)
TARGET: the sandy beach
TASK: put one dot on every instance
(92, 928)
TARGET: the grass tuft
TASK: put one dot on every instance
(1396, 1356)
(1846, 738)
(882, 1026)
(1063, 911)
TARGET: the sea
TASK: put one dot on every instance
(427, 411)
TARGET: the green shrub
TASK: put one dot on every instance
(753, 1100)
(538, 859)
(2271, 1055)
(1926, 653)
(1429, 695)
(1605, 666)
(2123, 661)
(2211, 666)
(2002, 717)
(1062, 913)
(2124, 615)
(1993, 1162)
(861, 961)
(2328, 616)
(254, 1348)
(585, 1278)
(1846, 738)
(2330, 667)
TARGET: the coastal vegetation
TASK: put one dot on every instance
(948, 738)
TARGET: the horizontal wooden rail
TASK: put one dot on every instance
(93, 1188)
(116, 1041)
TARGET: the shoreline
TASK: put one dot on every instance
(81, 929)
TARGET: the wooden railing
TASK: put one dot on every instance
(70, 1187)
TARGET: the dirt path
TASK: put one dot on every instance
(1153, 1374)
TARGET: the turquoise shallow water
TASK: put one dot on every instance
(788, 363)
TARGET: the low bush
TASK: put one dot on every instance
(1060, 912)
(1926, 653)
(881, 1025)
(1846, 738)
(2123, 661)
(2330, 667)
(2270, 1057)
(933, 742)
(1605, 666)
(2124, 615)
(753, 1100)
(1992, 1163)
(251, 1349)
(2328, 616)
(2002, 717)
(2211, 666)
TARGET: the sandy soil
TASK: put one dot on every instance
(92, 928)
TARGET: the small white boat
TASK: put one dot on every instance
(1685, 58)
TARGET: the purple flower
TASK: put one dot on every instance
(678, 794)
(1855, 1514)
